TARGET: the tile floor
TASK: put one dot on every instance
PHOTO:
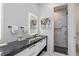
(55, 54)
(77, 53)
(62, 50)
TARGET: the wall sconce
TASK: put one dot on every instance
(24, 29)
(13, 29)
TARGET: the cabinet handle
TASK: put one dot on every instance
(32, 46)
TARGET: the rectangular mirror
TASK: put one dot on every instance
(33, 24)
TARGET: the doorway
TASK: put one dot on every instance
(61, 29)
(77, 29)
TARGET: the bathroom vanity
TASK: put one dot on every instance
(32, 46)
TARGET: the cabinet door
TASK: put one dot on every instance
(25, 52)
(33, 50)
(40, 45)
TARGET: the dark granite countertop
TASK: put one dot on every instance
(17, 46)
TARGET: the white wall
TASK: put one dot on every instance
(16, 14)
(72, 29)
(0, 18)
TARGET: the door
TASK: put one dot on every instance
(61, 28)
(77, 23)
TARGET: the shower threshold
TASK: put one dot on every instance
(59, 49)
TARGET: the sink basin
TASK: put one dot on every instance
(21, 39)
(34, 39)
(38, 37)
(31, 40)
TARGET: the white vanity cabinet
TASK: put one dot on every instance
(33, 50)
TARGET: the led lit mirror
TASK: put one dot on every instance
(32, 24)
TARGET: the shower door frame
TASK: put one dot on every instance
(66, 6)
(71, 28)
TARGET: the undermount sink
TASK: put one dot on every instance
(34, 39)
(21, 39)
(31, 40)
(38, 37)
